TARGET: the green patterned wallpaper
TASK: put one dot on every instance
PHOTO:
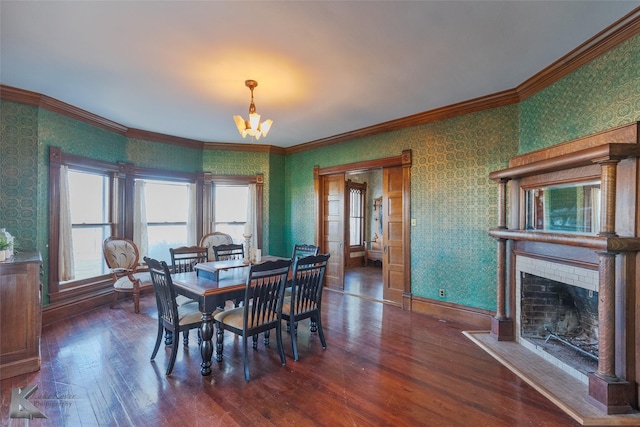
(163, 156)
(221, 162)
(19, 173)
(602, 94)
(452, 198)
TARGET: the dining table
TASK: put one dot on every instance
(212, 284)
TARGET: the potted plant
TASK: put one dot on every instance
(4, 249)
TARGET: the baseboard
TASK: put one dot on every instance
(61, 310)
(477, 317)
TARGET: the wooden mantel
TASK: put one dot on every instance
(611, 157)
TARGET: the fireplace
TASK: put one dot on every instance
(568, 263)
(557, 314)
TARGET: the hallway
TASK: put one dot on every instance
(365, 282)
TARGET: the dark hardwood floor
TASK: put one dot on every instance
(382, 367)
(364, 281)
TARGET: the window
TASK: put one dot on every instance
(90, 207)
(356, 193)
(167, 212)
(230, 210)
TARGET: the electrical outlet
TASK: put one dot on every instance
(441, 293)
(414, 222)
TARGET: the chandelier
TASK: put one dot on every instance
(252, 126)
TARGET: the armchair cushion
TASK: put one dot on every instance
(125, 283)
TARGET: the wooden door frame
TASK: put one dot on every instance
(403, 160)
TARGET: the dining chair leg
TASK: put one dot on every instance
(168, 337)
(267, 334)
(172, 359)
(185, 338)
(136, 301)
(321, 332)
(254, 338)
(280, 346)
(115, 299)
(294, 345)
(245, 359)
(158, 340)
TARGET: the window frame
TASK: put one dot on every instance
(122, 180)
(210, 180)
(361, 189)
(62, 290)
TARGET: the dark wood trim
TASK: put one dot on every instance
(361, 166)
(406, 227)
(614, 244)
(55, 162)
(236, 179)
(163, 138)
(57, 311)
(625, 134)
(252, 148)
(163, 174)
(570, 160)
(477, 317)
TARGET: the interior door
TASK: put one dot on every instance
(392, 234)
(333, 238)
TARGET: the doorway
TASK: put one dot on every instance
(332, 216)
(363, 234)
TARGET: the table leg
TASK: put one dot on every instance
(206, 346)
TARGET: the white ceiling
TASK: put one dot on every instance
(323, 67)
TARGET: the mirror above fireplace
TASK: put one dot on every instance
(569, 208)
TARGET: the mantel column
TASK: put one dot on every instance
(608, 177)
(610, 393)
(501, 325)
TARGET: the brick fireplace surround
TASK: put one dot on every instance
(611, 157)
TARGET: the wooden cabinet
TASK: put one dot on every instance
(20, 315)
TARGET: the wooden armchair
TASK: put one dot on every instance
(122, 256)
(214, 239)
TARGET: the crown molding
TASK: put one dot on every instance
(253, 148)
(164, 138)
(38, 100)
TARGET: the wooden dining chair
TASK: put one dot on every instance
(303, 250)
(184, 260)
(121, 256)
(300, 251)
(228, 252)
(214, 239)
(262, 309)
(306, 297)
(171, 317)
